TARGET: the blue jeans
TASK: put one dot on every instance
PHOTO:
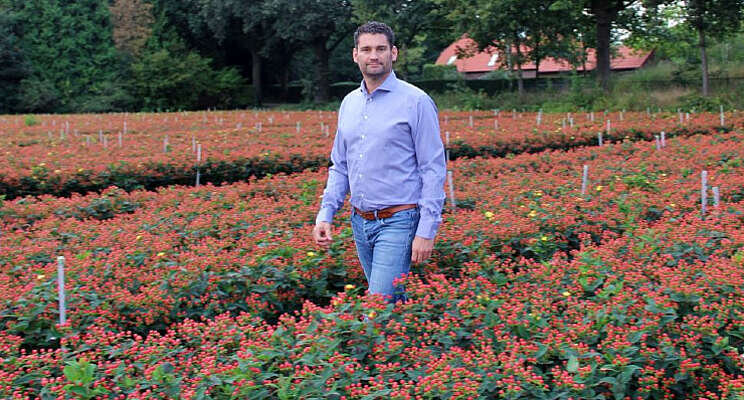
(384, 249)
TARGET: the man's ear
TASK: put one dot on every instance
(354, 54)
(394, 51)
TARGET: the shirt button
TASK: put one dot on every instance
(360, 156)
(365, 117)
(362, 136)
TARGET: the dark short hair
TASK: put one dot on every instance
(375, 27)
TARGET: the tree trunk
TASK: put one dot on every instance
(256, 75)
(520, 81)
(604, 22)
(323, 88)
(703, 60)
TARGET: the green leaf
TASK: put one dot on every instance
(573, 364)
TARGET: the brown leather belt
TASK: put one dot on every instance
(383, 213)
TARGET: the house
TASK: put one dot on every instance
(483, 62)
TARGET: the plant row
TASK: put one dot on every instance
(62, 155)
(535, 290)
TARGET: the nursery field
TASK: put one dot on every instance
(564, 269)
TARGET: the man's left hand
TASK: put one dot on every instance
(421, 249)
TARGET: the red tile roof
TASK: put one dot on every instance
(625, 58)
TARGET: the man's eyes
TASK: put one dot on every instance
(382, 48)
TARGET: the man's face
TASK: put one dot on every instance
(374, 55)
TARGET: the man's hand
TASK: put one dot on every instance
(322, 234)
(421, 249)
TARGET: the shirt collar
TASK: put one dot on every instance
(388, 85)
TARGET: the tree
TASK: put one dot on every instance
(14, 66)
(250, 22)
(319, 24)
(522, 30)
(132, 21)
(712, 18)
(70, 49)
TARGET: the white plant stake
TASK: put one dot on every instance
(591, 116)
(120, 134)
(198, 162)
(608, 128)
(663, 139)
(495, 123)
(470, 121)
(716, 197)
(584, 179)
(297, 127)
(61, 289)
(446, 138)
(539, 117)
(599, 137)
(658, 142)
(621, 114)
(125, 126)
(451, 189)
(723, 119)
(704, 191)
(165, 144)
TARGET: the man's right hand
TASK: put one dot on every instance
(322, 234)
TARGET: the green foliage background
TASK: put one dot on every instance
(59, 56)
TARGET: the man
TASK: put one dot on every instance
(388, 153)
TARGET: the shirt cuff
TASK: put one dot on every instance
(324, 215)
(427, 227)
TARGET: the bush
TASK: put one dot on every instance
(30, 120)
(165, 80)
(439, 72)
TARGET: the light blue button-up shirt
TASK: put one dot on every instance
(387, 152)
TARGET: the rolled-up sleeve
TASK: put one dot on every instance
(338, 182)
(431, 166)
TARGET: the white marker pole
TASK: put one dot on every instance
(663, 139)
(451, 189)
(723, 119)
(609, 126)
(599, 136)
(120, 134)
(297, 127)
(716, 197)
(470, 121)
(495, 123)
(658, 142)
(165, 144)
(704, 191)
(198, 161)
(446, 138)
(584, 179)
(61, 290)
